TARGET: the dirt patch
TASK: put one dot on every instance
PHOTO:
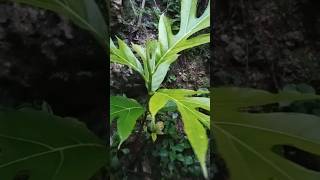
(266, 44)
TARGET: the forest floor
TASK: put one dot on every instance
(267, 44)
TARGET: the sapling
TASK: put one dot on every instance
(152, 62)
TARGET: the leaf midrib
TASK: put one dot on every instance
(70, 11)
(265, 129)
(125, 59)
(253, 151)
(79, 18)
(60, 149)
(126, 109)
(179, 40)
(183, 105)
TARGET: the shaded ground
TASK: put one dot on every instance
(267, 44)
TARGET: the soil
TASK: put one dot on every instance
(266, 44)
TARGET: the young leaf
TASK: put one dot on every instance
(84, 13)
(124, 55)
(247, 140)
(126, 112)
(189, 25)
(159, 54)
(171, 44)
(45, 146)
(194, 120)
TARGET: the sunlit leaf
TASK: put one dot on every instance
(193, 119)
(126, 112)
(158, 55)
(124, 55)
(189, 25)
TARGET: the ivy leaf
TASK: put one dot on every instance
(84, 13)
(248, 141)
(43, 146)
(193, 119)
(126, 112)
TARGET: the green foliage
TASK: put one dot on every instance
(172, 78)
(171, 154)
(124, 55)
(308, 107)
(84, 13)
(41, 146)
(251, 143)
(126, 111)
(157, 55)
(37, 145)
(193, 119)
(174, 152)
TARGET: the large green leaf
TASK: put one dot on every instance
(158, 55)
(194, 120)
(43, 146)
(247, 141)
(189, 25)
(84, 13)
(126, 112)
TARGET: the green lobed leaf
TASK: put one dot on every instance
(84, 13)
(189, 25)
(194, 120)
(172, 44)
(44, 146)
(247, 140)
(158, 55)
(126, 112)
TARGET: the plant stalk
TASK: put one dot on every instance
(141, 12)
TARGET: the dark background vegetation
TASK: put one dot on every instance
(271, 45)
(48, 63)
(266, 44)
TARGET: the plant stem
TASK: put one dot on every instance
(141, 12)
(133, 8)
(149, 85)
